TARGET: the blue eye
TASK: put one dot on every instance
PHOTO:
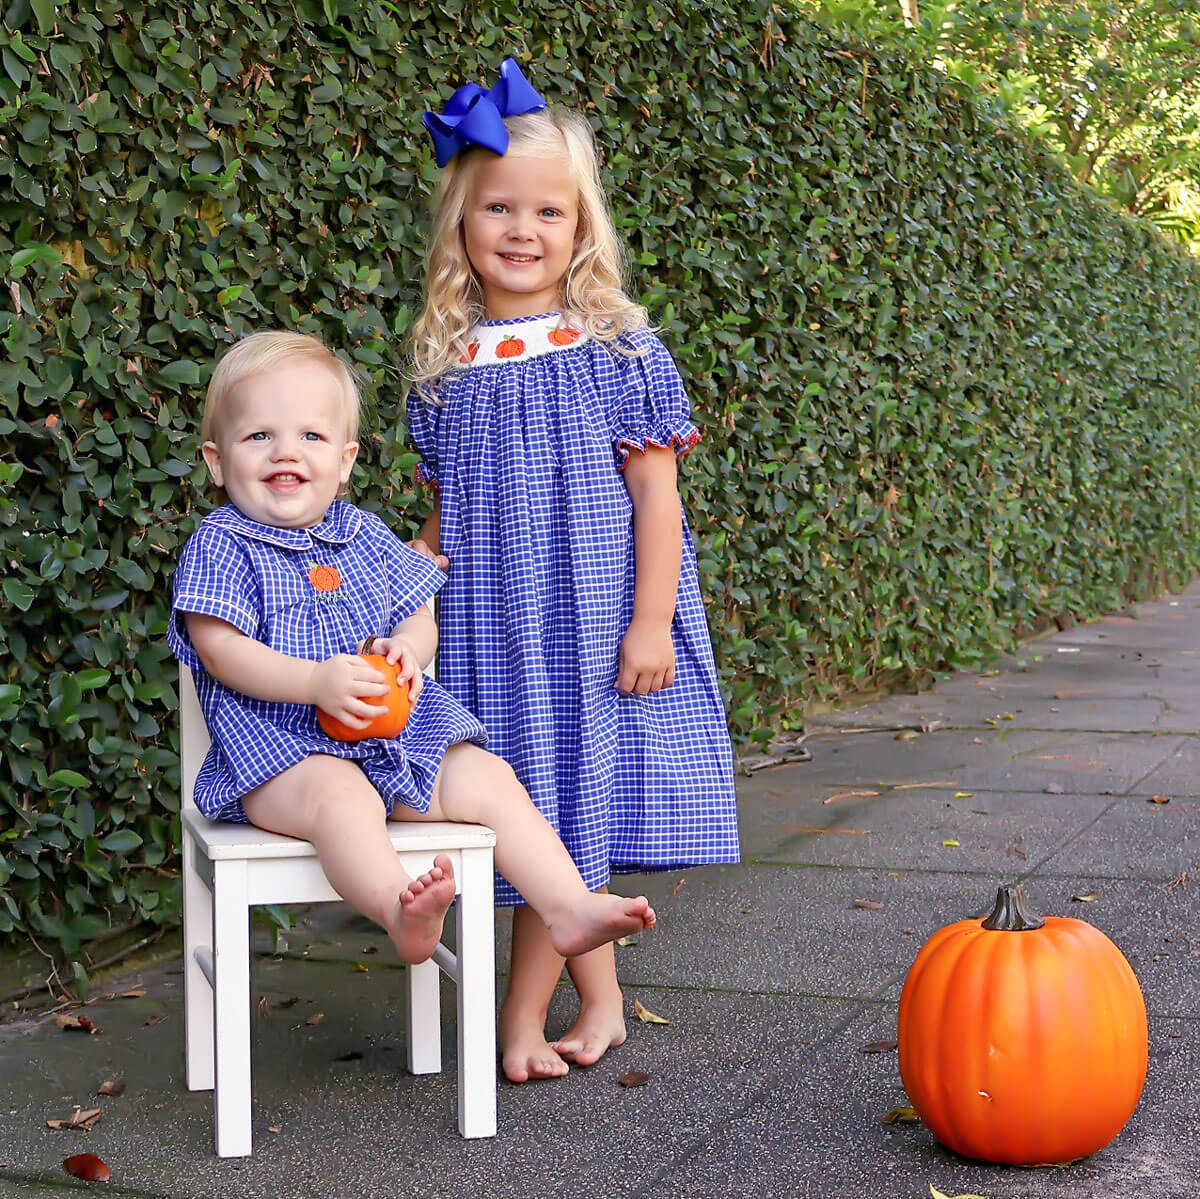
(259, 436)
(313, 436)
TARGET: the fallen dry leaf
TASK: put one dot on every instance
(901, 1115)
(69, 1022)
(840, 795)
(154, 1019)
(646, 1016)
(951, 842)
(315, 1018)
(676, 889)
(133, 993)
(878, 1047)
(915, 786)
(809, 828)
(264, 1007)
(872, 905)
(88, 1167)
(274, 1128)
(626, 942)
(360, 968)
(112, 1086)
(1159, 799)
(964, 795)
(635, 1078)
(1086, 896)
(907, 735)
(78, 1120)
(942, 1195)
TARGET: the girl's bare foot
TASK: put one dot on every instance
(599, 1027)
(525, 1054)
(598, 919)
(416, 921)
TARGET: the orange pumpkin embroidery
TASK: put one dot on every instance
(510, 347)
(324, 578)
(563, 336)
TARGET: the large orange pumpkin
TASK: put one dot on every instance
(1022, 1040)
(387, 724)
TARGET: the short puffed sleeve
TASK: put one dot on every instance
(423, 419)
(213, 577)
(412, 578)
(653, 409)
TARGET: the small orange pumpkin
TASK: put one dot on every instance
(563, 336)
(510, 347)
(1022, 1040)
(387, 724)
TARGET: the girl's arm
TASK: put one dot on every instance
(337, 686)
(429, 539)
(647, 655)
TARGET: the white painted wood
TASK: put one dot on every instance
(197, 988)
(476, 916)
(227, 868)
(231, 1004)
(425, 1018)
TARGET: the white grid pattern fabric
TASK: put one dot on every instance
(538, 525)
(308, 593)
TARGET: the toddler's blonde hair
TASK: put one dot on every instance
(593, 289)
(261, 352)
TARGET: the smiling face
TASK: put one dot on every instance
(281, 447)
(519, 225)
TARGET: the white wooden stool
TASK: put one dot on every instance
(229, 867)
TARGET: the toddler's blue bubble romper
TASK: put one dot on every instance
(526, 448)
(308, 593)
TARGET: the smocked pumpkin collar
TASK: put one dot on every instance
(493, 343)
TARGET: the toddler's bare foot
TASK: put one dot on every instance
(416, 922)
(525, 1055)
(598, 919)
(599, 1028)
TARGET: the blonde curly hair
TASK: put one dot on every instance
(593, 289)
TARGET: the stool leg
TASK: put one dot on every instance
(424, 1018)
(231, 968)
(197, 990)
(476, 996)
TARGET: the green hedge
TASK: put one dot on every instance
(946, 394)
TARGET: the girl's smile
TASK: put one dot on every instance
(519, 226)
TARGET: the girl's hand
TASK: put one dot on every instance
(400, 651)
(340, 686)
(646, 661)
(423, 547)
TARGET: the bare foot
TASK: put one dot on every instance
(598, 919)
(525, 1054)
(599, 1028)
(416, 922)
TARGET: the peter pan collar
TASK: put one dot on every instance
(341, 523)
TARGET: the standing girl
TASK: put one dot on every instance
(549, 419)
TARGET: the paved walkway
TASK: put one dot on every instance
(773, 978)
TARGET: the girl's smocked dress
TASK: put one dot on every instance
(526, 449)
(309, 593)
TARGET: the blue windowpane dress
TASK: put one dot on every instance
(308, 593)
(526, 449)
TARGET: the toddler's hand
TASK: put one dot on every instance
(341, 685)
(399, 651)
(647, 659)
(423, 548)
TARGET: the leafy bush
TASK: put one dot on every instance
(947, 394)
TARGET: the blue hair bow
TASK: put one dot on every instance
(473, 117)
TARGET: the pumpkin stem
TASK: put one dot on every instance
(1011, 913)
